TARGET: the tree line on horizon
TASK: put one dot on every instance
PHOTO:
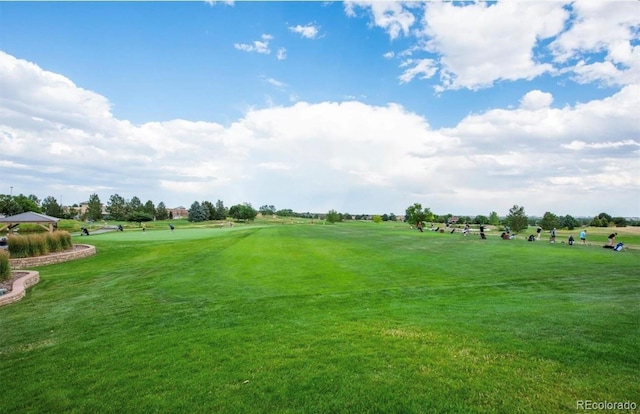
(517, 219)
(120, 209)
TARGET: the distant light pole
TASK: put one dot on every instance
(11, 194)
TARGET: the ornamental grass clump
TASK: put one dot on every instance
(37, 245)
(65, 239)
(18, 246)
(54, 242)
(40, 244)
(5, 269)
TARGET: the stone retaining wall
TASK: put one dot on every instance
(19, 288)
(79, 251)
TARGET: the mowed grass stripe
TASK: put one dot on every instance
(348, 318)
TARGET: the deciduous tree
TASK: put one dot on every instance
(333, 216)
(30, 203)
(494, 219)
(601, 220)
(569, 222)
(9, 206)
(50, 207)
(549, 221)
(139, 217)
(415, 213)
(243, 211)
(267, 210)
(619, 221)
(480, 219)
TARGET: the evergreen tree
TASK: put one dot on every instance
(209, 209)
(517, 219)
(50, 207)
(135, 205)
(149, 208)
(117, 207)
(161, 211)
(196, 213)
(220, 211)
(94, 209)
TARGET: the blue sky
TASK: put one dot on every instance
(364, 107)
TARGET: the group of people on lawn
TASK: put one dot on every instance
(611, 240)
(507, 235)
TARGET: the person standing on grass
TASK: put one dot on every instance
(583, 236)
(539, 230)
(612, 239)
(552, 239)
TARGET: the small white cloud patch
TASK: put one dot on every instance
(258, 46)
(536, 99)
(308, 31)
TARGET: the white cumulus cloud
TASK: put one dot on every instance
(315, 156)
(477, 44)
(392, 16)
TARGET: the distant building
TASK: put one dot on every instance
(178, 212)
(84, 206)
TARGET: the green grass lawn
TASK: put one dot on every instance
(346, 318)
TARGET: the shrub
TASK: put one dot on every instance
(5, 269)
